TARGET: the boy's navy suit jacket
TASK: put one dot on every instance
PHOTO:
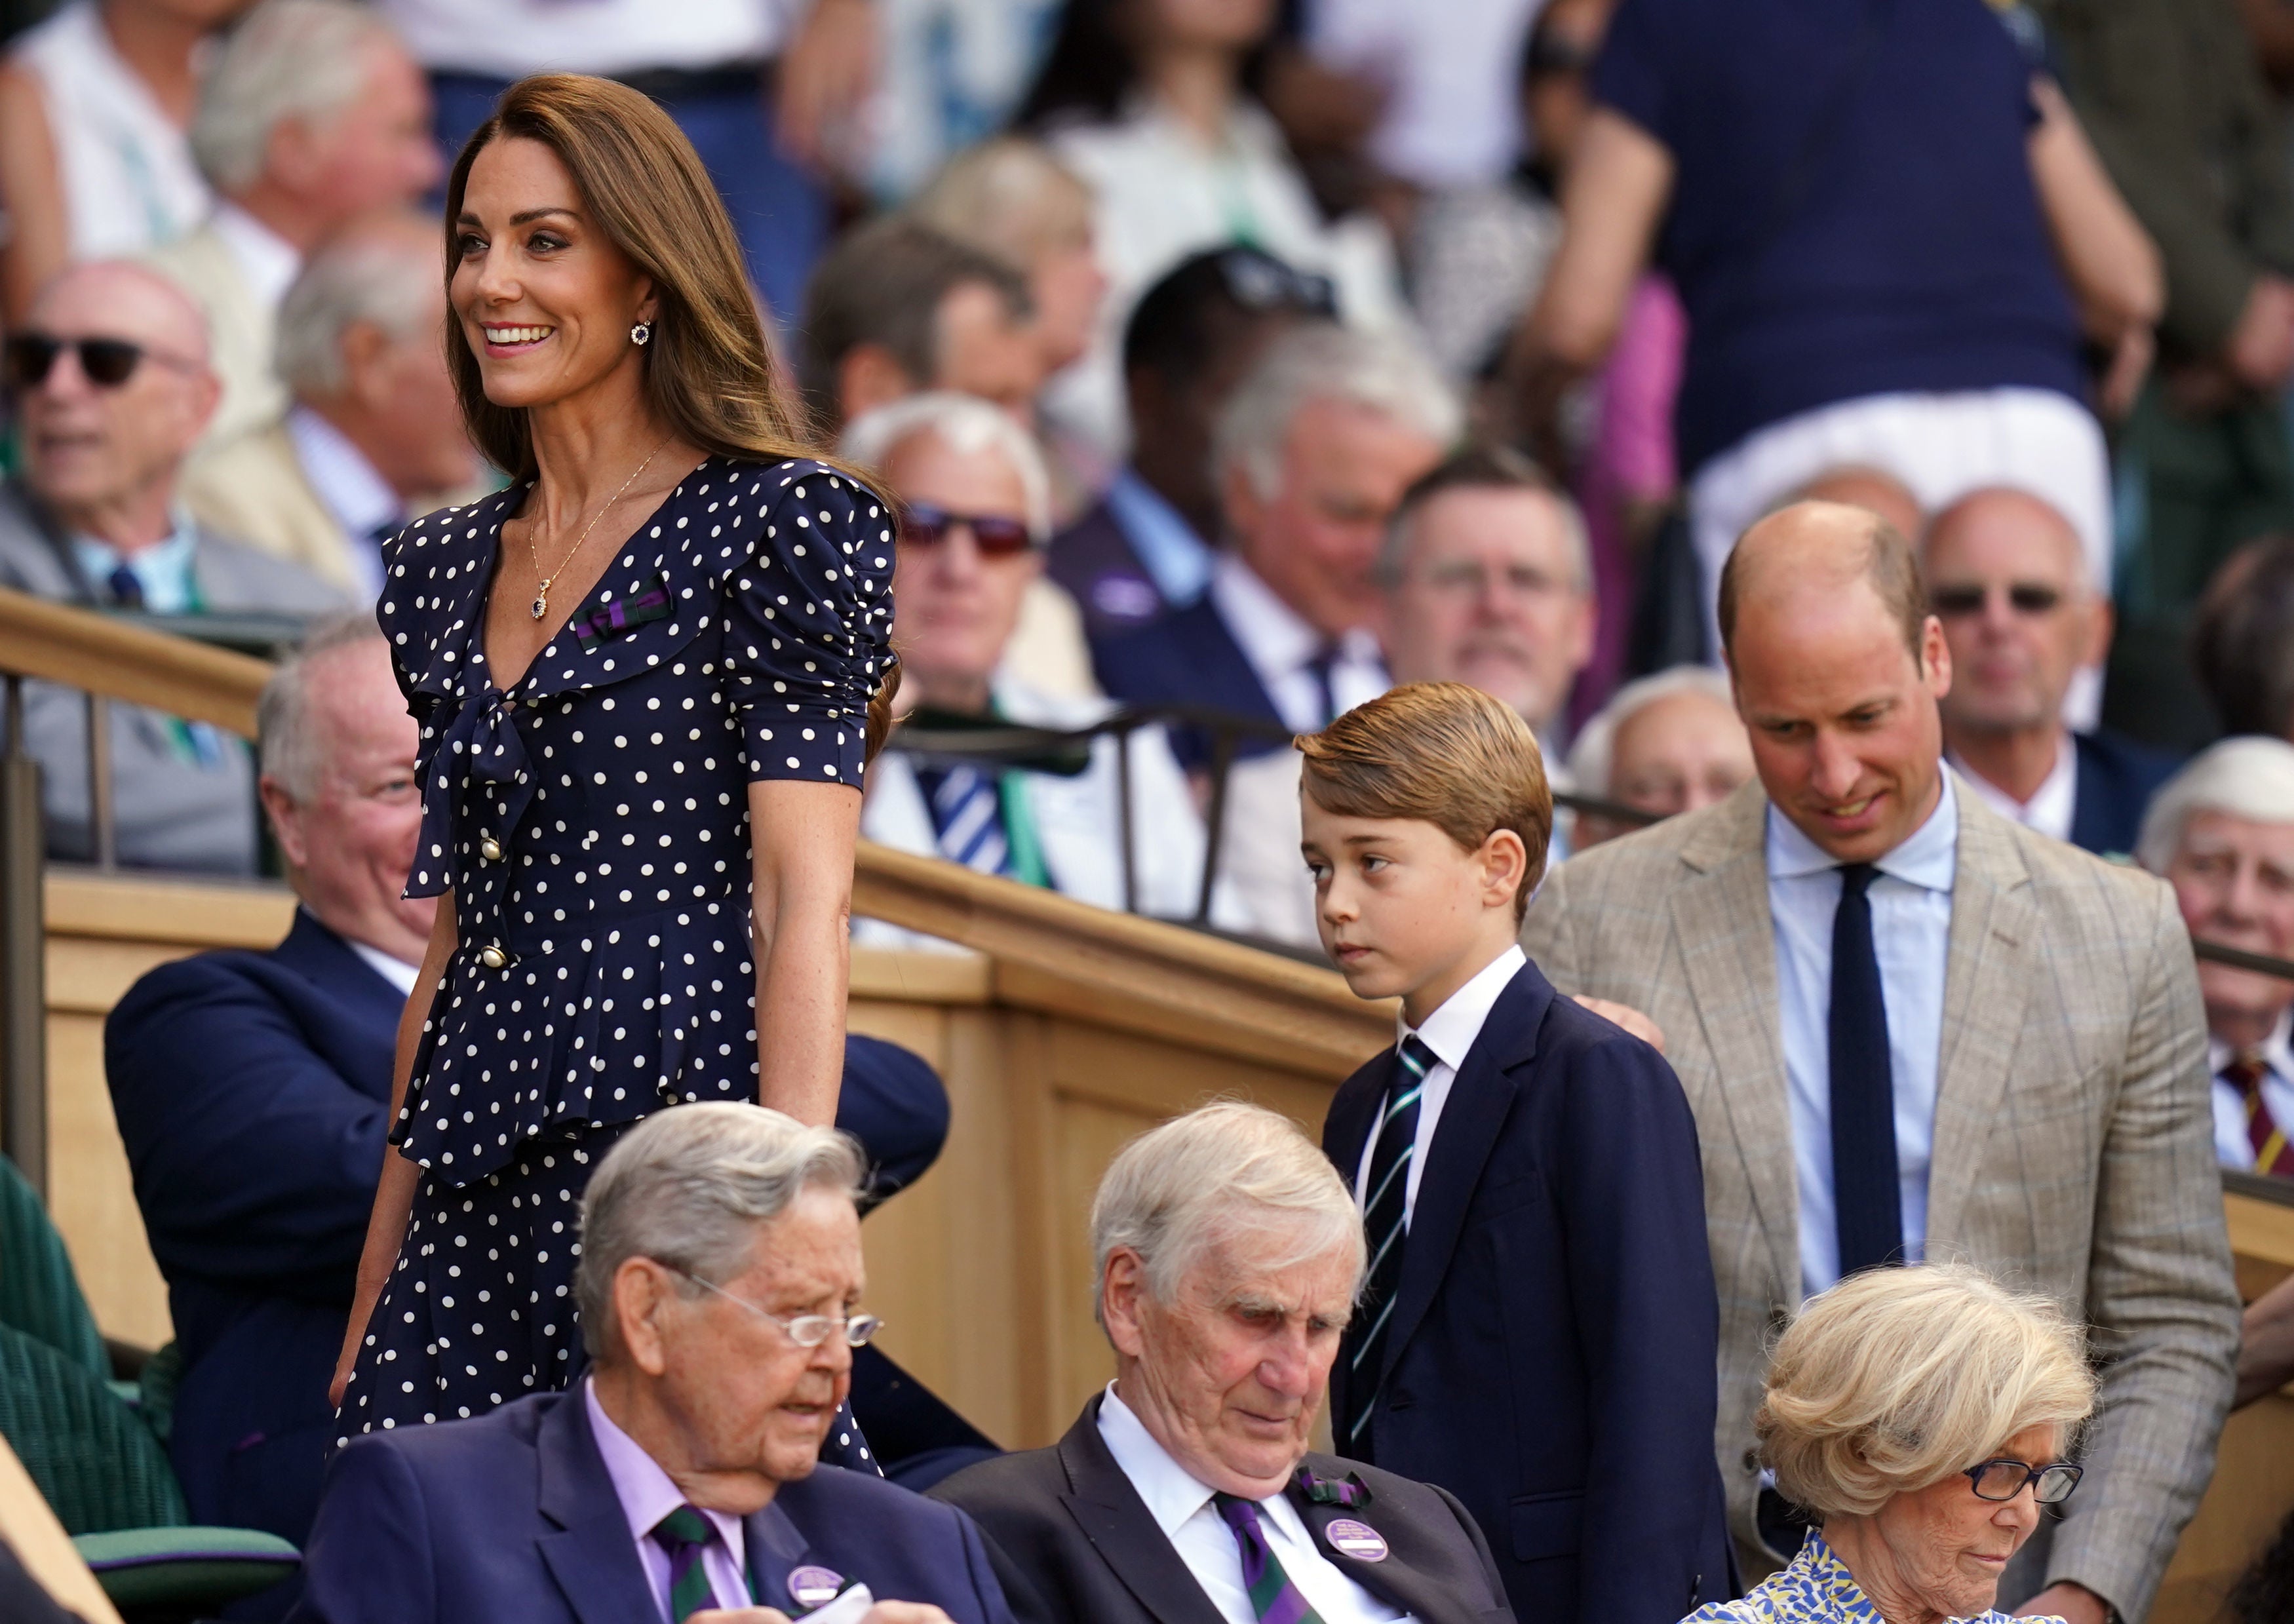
(1552, 1353)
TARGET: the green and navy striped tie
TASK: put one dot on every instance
(1385, 1225)
(1273, 1598)
(685, 1535)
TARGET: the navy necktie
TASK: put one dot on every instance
(1867, 1207)
(1385, 1225)
(1319, 669)
(127, 588)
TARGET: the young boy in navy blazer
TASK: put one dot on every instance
(1539, 1331)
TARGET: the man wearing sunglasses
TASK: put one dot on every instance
(112, 387)
(2007, 578)
(680, 1479)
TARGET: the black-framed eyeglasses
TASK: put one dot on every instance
(2004, 1480)
(996, 535)
(1258, 282)
(806, 1330)
(108, 363)
(2030, 598)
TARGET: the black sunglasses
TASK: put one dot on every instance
(2026, 597)
(922, 524)
(108, 363)
(2004, 1480)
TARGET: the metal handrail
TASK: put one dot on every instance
(1015, 744)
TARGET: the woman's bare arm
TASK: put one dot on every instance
(802, 836)
(31, 189)
(394, 1195)
(1620, 180)
(2107, 260)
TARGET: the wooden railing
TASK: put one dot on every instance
(1070, 1029)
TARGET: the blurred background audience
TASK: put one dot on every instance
(1157, 105)
(975, 518)
(112, 383)
(1146, 546)
(2242, 639)
(373, 436)
(312, 115)
(1665, 744)
(1311, 453)
(2007, 577)
(94, 160)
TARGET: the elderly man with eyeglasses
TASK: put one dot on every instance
(718, 1288)
(111, 386)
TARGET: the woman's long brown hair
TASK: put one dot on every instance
(709, 371)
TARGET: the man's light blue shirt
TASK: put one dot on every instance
(163, 570)
(1168, 549)
(1911, 933)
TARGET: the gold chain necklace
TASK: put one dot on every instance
(541, 605)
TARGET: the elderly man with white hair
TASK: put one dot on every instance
(2221, 831)
(312, 115)
(1665, 744)
(1313, 452)
(374, 436)
(719, 1288)
(974, 521)
(1229, 1253)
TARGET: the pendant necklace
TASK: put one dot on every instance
(541, 605)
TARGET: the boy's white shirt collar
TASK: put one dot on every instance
(1450, 1031)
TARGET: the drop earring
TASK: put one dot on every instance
(641, 333)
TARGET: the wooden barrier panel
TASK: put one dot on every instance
(1079, 1030)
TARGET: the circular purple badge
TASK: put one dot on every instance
(1358, 1540)
(812, 1587)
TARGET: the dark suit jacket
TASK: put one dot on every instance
(2117, 778)
(1095, 560)
(511, 1516)
(1188, 657)
(1550, 1356)
(1074, 1544)
(252, 1090)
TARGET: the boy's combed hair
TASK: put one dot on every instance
(1444, 754)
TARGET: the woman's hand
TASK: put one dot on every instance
(802, 837)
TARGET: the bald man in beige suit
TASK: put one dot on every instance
(2043, 1107)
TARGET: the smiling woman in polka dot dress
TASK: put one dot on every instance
(648, 675)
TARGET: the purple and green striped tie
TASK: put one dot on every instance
(1273, 1596)
(684, 1534)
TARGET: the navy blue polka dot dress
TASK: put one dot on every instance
(593, 824)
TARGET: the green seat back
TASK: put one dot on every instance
(39, 1295)
(182, 1571)
(92, 1456)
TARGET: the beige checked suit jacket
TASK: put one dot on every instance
(2073, 1138)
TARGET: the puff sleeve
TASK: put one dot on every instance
(809, 623)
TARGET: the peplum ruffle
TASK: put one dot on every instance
(602, 1027)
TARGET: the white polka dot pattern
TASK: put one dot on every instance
(592, 820)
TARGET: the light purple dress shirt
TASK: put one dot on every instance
(647, 1496)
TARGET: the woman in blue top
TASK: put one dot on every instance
(648, 675)
(1919, 1417)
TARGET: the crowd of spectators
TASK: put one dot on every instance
(1237, 364)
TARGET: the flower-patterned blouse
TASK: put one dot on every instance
(592, 820)
(1815, 1587)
